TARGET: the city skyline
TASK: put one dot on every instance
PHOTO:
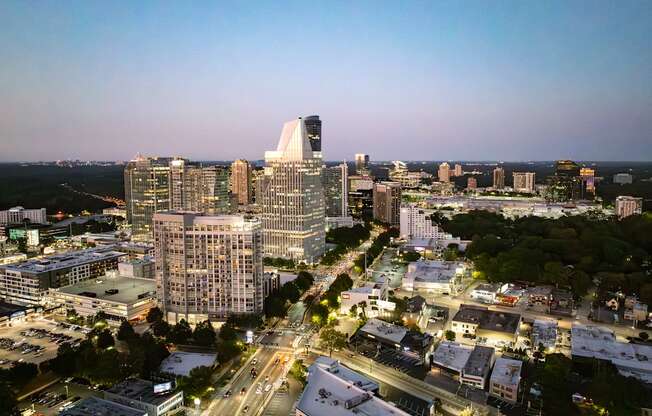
(506, 81)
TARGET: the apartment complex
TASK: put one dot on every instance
(387, 202)
(444, 172)
(292, 197)
(18, 215)
(524, 182)
(241, 182)
(499, 178)
(198, 188)
(336, 190)
(208, 267)
(28, 282)
(417, 223)
(628, 205)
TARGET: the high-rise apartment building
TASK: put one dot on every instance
(524, 182)
(207, 267)
(417, 223)
(241, 182)
(313, 128)
(471, 183)
(292, 197)
(361, 163)
(147, 191)
(444, 172)
(628, 205)
(387, 202)
(18, 215)
(197, 188)
(458, 170)
(499, 178)
(336, 190)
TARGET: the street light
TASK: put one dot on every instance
(197, 403)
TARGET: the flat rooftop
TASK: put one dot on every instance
(60, 261)
(479, 362)
(384, 330)
(544, 331)
(140, 390)
(452, 355)
(507, 372)
(94, 406)
(180, 363)
(129, 289)
(432, 271)
(487, 319)
(345, 373)
(327, 394)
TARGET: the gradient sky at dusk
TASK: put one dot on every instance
(432, 80)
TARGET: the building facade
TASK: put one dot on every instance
(444, 172)
(197, 188)
(241, 182)
(361, 164)
(499, 178)
(628, 205)
(292, 198)
(417, 223)
(336, 190)
(387, 202)
(208, 267)
(524, 182)
(313, 129)
(18, 215)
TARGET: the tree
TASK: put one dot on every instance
(7, 399)
(180, 333)
(644, 336)
(449, 335)
(196, 384)
(290, 292)
(298, 372)
(228, 333)
(126, 331)
(21, 373)
(160, 328)
(319, 315)
(105, 339)
(411, 256)
(332, 339)
(227, 350)
(204, 334)
(154, 315)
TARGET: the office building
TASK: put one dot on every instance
(387, 202)
(197, 188)
(623, 178)
(524, 182)
(20, 215)
(207, 267)
(565, 184)
(410, 343)
(142, 395)
(292, 198)
(505, 379)
(458, 170)
(137, 267)
(471, 183)
(544, 332)
(94, 406)
(470, 365)
(587, 176)
(241, 182)
(441, 277)
(361, 196)
(146, 192)
(499, 178)
(361, 164)
(118, 296)
(498, 328)
(372, 297)
(28, 282)
(336, 190)
(313, 129)
(444, 172)
(628, 205)
(418, 223)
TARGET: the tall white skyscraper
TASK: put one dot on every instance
(444, 172)
(292, 197)
(207, 267)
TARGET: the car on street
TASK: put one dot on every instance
(227, 394)
(243, 391)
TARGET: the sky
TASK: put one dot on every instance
(410, 80)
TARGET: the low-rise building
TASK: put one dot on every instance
(635, 310)
(137, 267)
(544, 332)
(12, 258)
(477, 368)
(489, 327)
(451, 356)
(416, 312)
(372, 297)
(540, 295)
(444, 277)
(140, 394)
(119, 297)
(94, 406)
(505, 379)
(345, 374)
(432, 248)
(396, 337)
(485, 293)
(271, 283)
(180, 363)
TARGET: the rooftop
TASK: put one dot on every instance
(180, 363)
(433, 271)
(327, 394)
(140, 390)
(115, 289)
(488, 319)
(507, 372)
(487, 287)
(384, 330)
(479, 362)
(60, 261)
(93, 406)
(415, 304)
(452, 355)
(345, 373)
(544, 331)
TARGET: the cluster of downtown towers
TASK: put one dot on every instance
(209, 261)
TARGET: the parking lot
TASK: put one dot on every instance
(53, 399)
(391, 358)
(34, 341)
(387, 267)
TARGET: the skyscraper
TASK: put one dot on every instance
(207, 267)
(292, 197)
(565, 183)
(499, 178)
(361, 163)
(387, 202)
(587, 175)
(524, 182)
(458, 170)
(147, 190)
(313, 128)
(444, 172)
(336, 190)
(471, 183)
(241, 181)
(197, 188)
(628, 205)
